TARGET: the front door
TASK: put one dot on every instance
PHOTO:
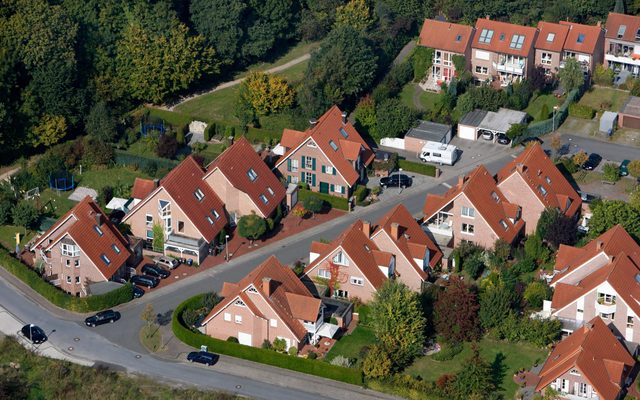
(324, 187)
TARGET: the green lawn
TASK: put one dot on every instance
(427, 99)
(506, 358)
(350, 345)
(607, 99)
(212, 151)
(293, 53)
(535, 105)
(56, 203)
(8, 236)
(145, 147)
(114, 176)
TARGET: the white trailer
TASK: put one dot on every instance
(440, 153)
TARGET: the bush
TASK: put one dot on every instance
(233, 339)
(360, 193)
(535, 293)
(634, 168)
(524, 266)
(377, 363)
(341, 361)
(516, 131)
(540, 332)
(448, 351)
(312, 355)
(266, 345)
(569, 165)
(209, 131)
(279, 345)
(196, 339)
(418, 168)
(96, 152)
(611, 172)
(293, 351)
(335, 202)
(581, 111)
(167, 146)
(603, 75)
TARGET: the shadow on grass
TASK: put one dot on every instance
(498, 370)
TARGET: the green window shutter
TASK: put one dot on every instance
(302, 166)
(313, 180)
(288, 178)
(323, 169)
(333, 170)
(288, 164)
(313, 164)
(342, 189)
(302, 177)
(332, 188)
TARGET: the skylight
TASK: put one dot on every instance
(542, 190)
(270, 191)
(495, 197)
(504, 224)
(344, 133)
(215, 214)
(516, 42)
(548, 180)
(98, 230)
(333, 145)
(621, 31)
(485, 36)
(209, 220)
(115, 248)
(199, 195)
(501, 37)
(252, 174)
(551, 36)
(458, 38)
(580, 38)
(105, 259)
(264, 199)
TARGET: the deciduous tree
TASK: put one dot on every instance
(221, 22)
(535, 293)
(608, 213)
(252, 226)
(634, 168)
(580, 158)
(50, 130)
(456, 312)
(393, 119)
(26, 215)
(266, 93)
(571, 76)
(356, 14)
(100, 123)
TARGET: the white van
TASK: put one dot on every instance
(440, 153)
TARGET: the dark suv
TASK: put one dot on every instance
(396, 180)
(34, 333)
(155, 270)
(145, 280)
(592, 162)
(203, 357)
(103, 317)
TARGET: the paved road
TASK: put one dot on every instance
(608, 151)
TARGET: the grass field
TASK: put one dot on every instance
(506, 358)
(350, 345)
(427, 99)
(599, 98)
(296, 51)
(56, 202)
(536, 104)
(8, 236)
(114, 176)
(151, 338)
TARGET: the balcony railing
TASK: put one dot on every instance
(605, 308)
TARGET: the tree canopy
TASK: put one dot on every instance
(456, 312)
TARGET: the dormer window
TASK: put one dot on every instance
(252, 174)
(105, 259)
(199, 195)
(98, 230)
(115, 248)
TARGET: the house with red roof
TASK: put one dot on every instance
(187, 209)
(534, 182)
(590, 363)
(82, 248)
(557, 42)
(447, 40)
(621, 43)
(244, 183)
(331, 156)
(502, 52)
(269, 303)
(364, 256)
(473, 210)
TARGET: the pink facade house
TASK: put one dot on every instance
(535, 183)
(82, 248)
(244, 183)
(591, 363)
(270, 303)
(622, 43)
(189, 212)
(473, 210)
(447, 40)
(331, 156)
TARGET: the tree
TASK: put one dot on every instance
(619, 7)
(611, 172)
(534, 249)
(365, 116)
(516, 130)
(608, 213)
(398, 322)
(377, 363)
(266, 93)
(547, 218)
(269, 22)
(579, 158)
(221, 23)
(355, 14)
(634, 168)
(634, 200)
(100, 123)
(456, 312)
(252, 226)
(167, 146)
(544, 112)
(25, 215)
(475, 379)
(571, 76)
(158, 238)
(495, 305)
(562, 231)
(556, 144)
(149, 316)
(535, 293)
(393, 119)
(603, 75)
(50, 130)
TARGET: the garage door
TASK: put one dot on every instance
(631, 122)
(244, 338)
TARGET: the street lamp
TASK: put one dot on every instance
(399, 174)
(555, 108)
(226, 246)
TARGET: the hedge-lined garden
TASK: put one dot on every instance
(335, 202)
(57, 296)
(418, 168)
(270, 357)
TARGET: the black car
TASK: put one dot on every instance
(34, 333)
(531, 139)
(145, 280)
(503, 139)
(137, 292)
(396, 180)
(592, 162)
(203, 357)
(155, 270)
(103, 317)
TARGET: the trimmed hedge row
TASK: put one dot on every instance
(57, 296)
(418, 168)
(335, 202)
(269, 357)
(124, 158)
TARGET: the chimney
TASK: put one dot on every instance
(460, 180)
(366, 228)
(395, 231)
(313, 122)
(520, 167)
(599, 244)
(487, 16)
(266, 286)
(156, 183)
(598, 24)
(344, 117)
(539, 172)
(98, 219)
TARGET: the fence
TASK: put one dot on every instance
(540, 128)
(124, 158)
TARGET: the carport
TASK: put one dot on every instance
(500, 122)
(629, 116)
(608, 122)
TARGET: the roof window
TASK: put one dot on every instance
(215, 213)
(271, 192)
(199, 195)
(551, 36)
(548, 180)
(516, 42)
(344, 133)
(542, 190)
(485, 36)
(264, 199)
(105, 259)
(495, 197)
(98, 230)
(115, 248)
(458, 38)
(504, 224)
(501, 37)
(621, 30)
(580, 38)
(333, 145)
(209, 220)
(252, 174)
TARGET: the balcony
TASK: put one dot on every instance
(623, 58)
(605, 308)
(510, 67)
(584, 65)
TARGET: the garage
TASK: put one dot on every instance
(244, 338)
(468, 125)
(479, 122)
(629, 116)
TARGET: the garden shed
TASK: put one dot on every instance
(608, 122)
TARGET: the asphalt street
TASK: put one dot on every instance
(608, 151)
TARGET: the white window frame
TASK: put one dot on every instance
(68, 278)
(324, 273)
(630, 321)
(294, 165)
(482, 70)
(582, 389)
(340, 258)
(308, 162)
(337, 188)
(227, 317)
(328, 170)
(574, 372)
(149, 220)
(252, 175)
(608, 315)
(199, 194)
(607, 298)
(546, 58)
(69, 250)
(467, 229)
(264, 199)
(77, 280)
(468, 212)
(238, 319)
(273, 323)
(308, 178)
(271, 192)
(356, 280)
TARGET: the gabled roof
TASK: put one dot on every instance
(360, 250)
(625, 26)
(446, 36)
(479, 187)
(582, 38)
(596, 353)
(289, 298)
(141, 188)
(612, 242)
(551, 36)
(503, 36)
(82, 230)
(236, 163)
(329, 133)
(544, 179)
(413, 241)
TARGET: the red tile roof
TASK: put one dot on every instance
(88, 239)
(328, 129)
(235, 164)
(141, 188)
(289, 298)
(615, 21)
(478, 188)
(596, 353)
(445, 36)
(503, 33)
(535, 167)
(590, 36)
(549, 30)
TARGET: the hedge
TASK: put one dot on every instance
(335, 202)
(269, 357)
(124, 158)
(540, 128)
(57, 296)
(419, 168)
(581, 111)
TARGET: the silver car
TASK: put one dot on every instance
(166, 262)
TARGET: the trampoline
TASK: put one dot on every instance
(62, 181)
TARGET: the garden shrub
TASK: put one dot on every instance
(540, 332)
(581, 111)
(335, 202)
(448, 352)
(360, 193)
(341, 361)
(419, 168)
(569, 165)
(524, 266)
(293, 351)
(611, 172)
(232, 339)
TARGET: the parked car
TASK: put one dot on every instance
(145, 280)
(166, 262)
(137, 292)
(103, 317)
(155, 270)
(503, 139)
(34, 333)
(592, 162)
(203, 357)
(624, 168)
(486, 135)
(396, 180)
(531, 139)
